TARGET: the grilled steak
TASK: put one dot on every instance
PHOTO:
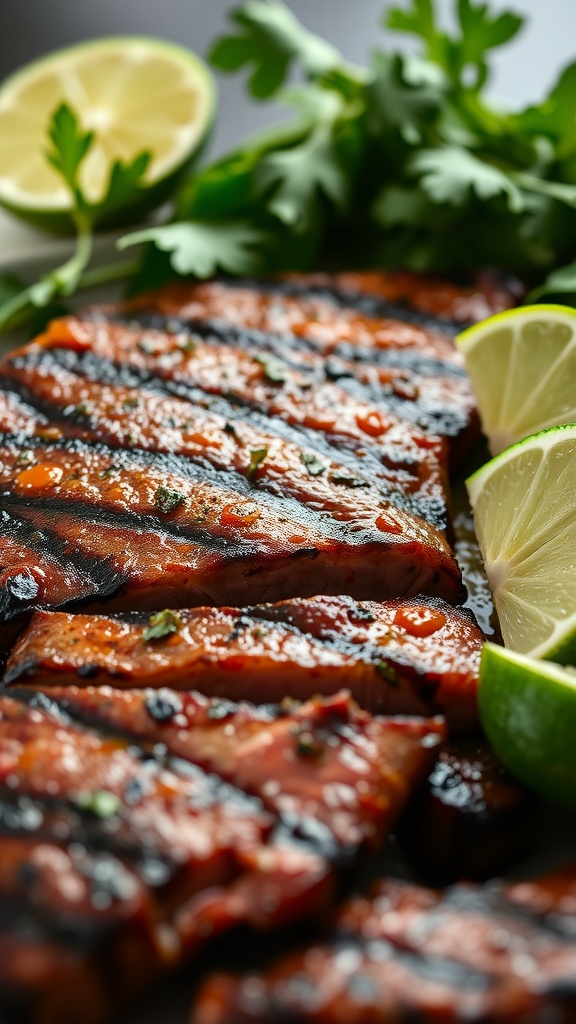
(438, 300)
(408, 363)
(146, 465)
(503, 953)
(407, 657)
(471, 820)
(135, 825)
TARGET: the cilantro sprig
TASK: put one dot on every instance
(69, 145)
(402, 163)
(405, 162)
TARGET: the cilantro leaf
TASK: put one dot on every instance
(69, 146)
(167, 499)
(451, 175)
(101, 802)
(298, 175)
(561, 281)
(406, 94)
(313, 464)
(204, 247)
(124, 183)
(162, 624)
(271, 38)
(257, 456)
(419, 19)
(481, 32)
(275, 370)
(555, 118)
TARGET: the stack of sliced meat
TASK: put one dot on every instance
(197, 468)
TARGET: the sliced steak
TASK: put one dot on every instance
(409, 362)
(472, 819)
(250, 381)
(502, 953)
(416, 656)
(135, 826)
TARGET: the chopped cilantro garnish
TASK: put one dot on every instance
(161, 624)
(167, 499)
(312, 463)
(257, 456)
(274, 369)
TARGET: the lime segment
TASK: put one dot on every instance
(523, 369)
(135, 94)
(528, 711)
(524, 504)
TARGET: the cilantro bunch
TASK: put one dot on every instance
(402, 163)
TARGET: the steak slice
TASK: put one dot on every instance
(502, 953)
(165, 531)
(471, 820)
(251, 380)
(415, 656)
(440, 302)
(412, 365)
(136, 825)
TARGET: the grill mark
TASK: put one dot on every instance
(99, 370)
(295, 827)
(98, 575)
(338, 447)
(177, 465)
(285, 345)
(370, 305)
(491, 902)
(429, 967)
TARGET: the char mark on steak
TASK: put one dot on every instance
(409, 656)
(136, 825)
(502, 953)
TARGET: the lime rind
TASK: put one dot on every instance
(528, 711)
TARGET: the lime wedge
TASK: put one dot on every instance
(523, 369)
(135, 94)
(524, 504)
(528, 711)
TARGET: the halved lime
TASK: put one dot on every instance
(523, 369)
(528, 711)
(524, 504)
(135, 94)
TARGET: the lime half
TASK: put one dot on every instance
(523, 369)
(524, 504)
(528, 711)
(135, 94)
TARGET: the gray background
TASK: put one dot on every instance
(29, 28)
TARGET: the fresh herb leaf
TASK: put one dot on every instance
(69, 147)
(257, 456)
(204, 248)
(451, 175)
(342, 476)
(296, 177)
(312, 463)
(162, 624)
(270, 39)
(124, 184)
(387, 672)
(101, 802)
(561, 281)
(274, 369)
(167, 499)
